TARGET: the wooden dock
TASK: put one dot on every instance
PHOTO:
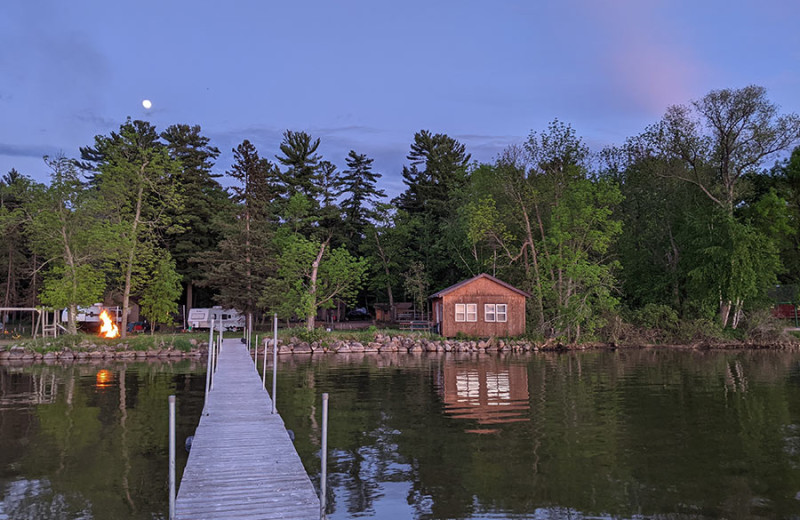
(242, 464)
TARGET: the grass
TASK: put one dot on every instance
(137, 342)
(182, 341)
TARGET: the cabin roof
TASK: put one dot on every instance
(470, 280)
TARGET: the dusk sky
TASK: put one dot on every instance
(366, 75)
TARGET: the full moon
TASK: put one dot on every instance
(147, 104)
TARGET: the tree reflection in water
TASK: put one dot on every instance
(648, 433)
(90, 441)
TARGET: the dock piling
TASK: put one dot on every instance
(274, 363)
(324, 471)
(172, 457)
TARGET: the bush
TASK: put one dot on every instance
(655, 316)
(761, 326)
(142, 343)
(310, 336)
(182, 344)
(699, 329)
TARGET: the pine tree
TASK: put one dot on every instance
(361, 196)
(204, 199)
(244, 259)
(303, 164)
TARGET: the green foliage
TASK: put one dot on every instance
(734, 262)
(303, 165)
(182, 344)
(655, 316)
(358, 185)
(135, 182)
(417, 285)
(311, 276)
(310, 336)
(64, 287)
(243, 262)
(203, 197)
(159, 298)
(143, 342)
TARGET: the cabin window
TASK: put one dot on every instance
(502, 312)
(495, 312)
(466, 312)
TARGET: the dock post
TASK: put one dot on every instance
(255, 353)
(172, 457)
(274, 362)
(324, 473)
(249, 330)
(210, 360)
(264, 371)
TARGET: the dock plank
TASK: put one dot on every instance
(243, 464)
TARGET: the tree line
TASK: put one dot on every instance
(694, 219)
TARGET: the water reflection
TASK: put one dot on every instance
(485, 390)
(626, 434)
(90, 440)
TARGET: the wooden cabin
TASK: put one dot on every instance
(482, 306)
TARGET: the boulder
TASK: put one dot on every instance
(302, 348)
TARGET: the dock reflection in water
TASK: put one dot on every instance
(487, 390)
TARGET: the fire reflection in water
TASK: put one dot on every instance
(104, 378)
(486, 391)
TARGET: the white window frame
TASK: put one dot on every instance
(466, 312)
(472, 312)
(501, 315)
(495, 312)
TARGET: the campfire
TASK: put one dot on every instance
(108, 329)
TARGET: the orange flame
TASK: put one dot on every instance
(104, 378)
(108, 330)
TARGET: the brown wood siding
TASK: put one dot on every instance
(481, 292)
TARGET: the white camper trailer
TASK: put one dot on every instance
(230, 318)
(89, 317)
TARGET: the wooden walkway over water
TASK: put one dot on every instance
(243, 464)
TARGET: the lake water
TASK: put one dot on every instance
(625, 434)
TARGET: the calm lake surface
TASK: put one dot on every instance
(625, 434)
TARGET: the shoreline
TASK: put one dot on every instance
(90, 352)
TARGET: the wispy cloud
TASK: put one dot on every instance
(22, 150)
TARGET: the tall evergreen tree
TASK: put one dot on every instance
(204, 201)
(438, 166)
(436, 175)
(244, 259)
(359, 187)
(303, 164)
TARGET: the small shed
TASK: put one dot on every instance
(482, 306)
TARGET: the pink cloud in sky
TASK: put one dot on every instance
(651, 60)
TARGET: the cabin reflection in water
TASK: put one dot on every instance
(486, 391)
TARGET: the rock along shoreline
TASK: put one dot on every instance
(89, 352)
